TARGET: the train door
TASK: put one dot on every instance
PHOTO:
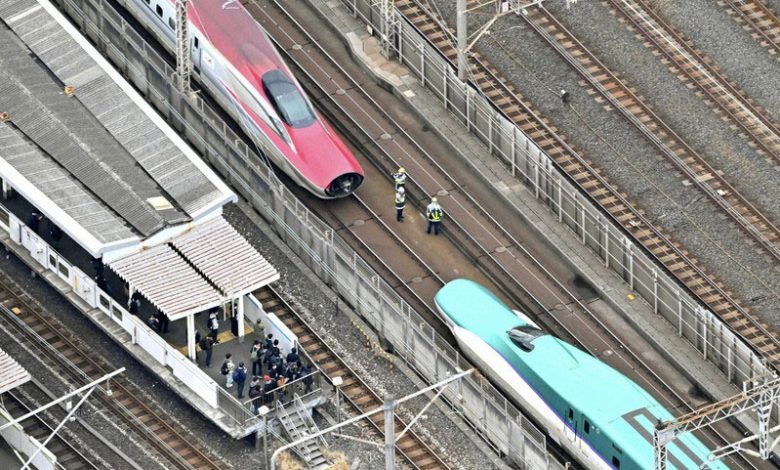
(570, 428)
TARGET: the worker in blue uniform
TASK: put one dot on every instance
(400, 203)
(399, 178)
(434, 214)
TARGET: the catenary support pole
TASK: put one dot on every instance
(463, 35)
(389, 410)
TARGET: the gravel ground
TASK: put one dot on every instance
(100, 344)
(774, 5)
(370, 362)
(701, 128)
(360, 350)
(724, 41)
(628, 159)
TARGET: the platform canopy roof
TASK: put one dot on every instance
(12, 374)
(225, 258)
(167, 281)
(205, 266)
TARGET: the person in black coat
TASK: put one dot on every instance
(34, 221)
(308, 380)
(269, 342)
(293, 356)
(164, 322)
(268, 391)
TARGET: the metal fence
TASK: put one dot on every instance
(570, 203)
(416, 342)
(491, 415)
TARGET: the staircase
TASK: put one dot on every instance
(298, 423)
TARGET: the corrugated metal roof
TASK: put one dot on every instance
(167, 281)
(65, 131)
(105, 136)
(62, 190)
(225, 257)
(178, 176)
(11, 373)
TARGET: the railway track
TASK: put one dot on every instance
(52, 340)
(411, 447)
(384, 239)
(694, 69)
(69, 455)
(755, 16)
(590, 180)
(515, 271)
(689, 163)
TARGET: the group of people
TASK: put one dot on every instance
(433, 212)
(267, 362)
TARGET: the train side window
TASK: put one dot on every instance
(570, 415)
(170, 23)
(159, 11)
(148, 2)
(615, 462)
(586, 426)
(195, 43)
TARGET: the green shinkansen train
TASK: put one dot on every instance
(601, 417)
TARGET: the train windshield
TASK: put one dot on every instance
(522, 336)
(288, 101)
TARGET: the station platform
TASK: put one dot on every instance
(106, 202)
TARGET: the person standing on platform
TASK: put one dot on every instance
(239, 377)
(164, 322)
(293, 357)
(154, 322)
(135, 305)
(269, 342)
(399, 178)
(227, 370)
(34, 221)
(400, 203)
(207, 344)
(308, 380)
(268, 390)
(254, 394)
(434, 214)
(256, 356)
(214, 327)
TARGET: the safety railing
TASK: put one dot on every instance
(160, 350)
(570, 203)
(354, 280)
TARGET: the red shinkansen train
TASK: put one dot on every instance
(236, 61)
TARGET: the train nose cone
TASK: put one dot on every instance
(344, 185)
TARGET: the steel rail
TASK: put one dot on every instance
(692, 62)
(567, 299)
(67, 353)
(579, 171)
(69, 456)
(770, 30)
(357, 392)
(732, 201)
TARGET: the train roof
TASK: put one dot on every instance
(101, 164)
(232, 30)
(614, 404)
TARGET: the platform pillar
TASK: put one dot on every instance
(191, 336)
(240, 313)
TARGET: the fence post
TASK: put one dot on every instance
(445, 79)
(655, 290)
(630, 254)
(514, 150)
(422, 64)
